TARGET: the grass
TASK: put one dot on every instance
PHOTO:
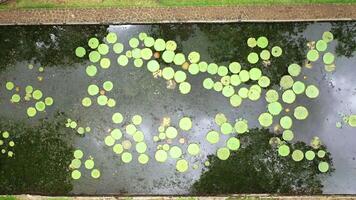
(28, 4)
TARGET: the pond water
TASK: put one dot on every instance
(145, 130)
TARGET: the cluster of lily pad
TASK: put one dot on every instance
(226, 128)
(102, 99)
(264, 54)
(79, 129)
(168, 135)
(131, 136)
(161, 60)
(318, 50)
(6, 144)
(291, 86)
(76, 165)
(30, 93)
(232, 77)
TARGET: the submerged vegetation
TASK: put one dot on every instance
(42, 154)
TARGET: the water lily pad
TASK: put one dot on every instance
(103, 49)
(235, 100)
(143, 158)
(194, 57)
(182, 165)
(272, 96)
(152, 65)
(251, 42)
(80, 52)
(168, 56)
(141, 147)
(265, 119)
(288, 96)
(313, 55)
(235, 80)
(262, 42)
(286, 82)
(226, 128)
(276, 51)
(122, 60)
(312, 91)
(179, 59)
(283, 150)
(288, 135)
(328, 58)
(95, 173)
(298, 87)
(328, 36)
(233, 143)
(213, 137)
(180, 76)
(228, 91)
(212, 68)
(241, 126)
(161, 155)
(309, 155)
(76, 174)
(297, 155)
(223, 153)
(111, 38)
(286, 122)
(184, 87)
(275, 108)
(265, 54)
(185, 123)
(118, 48)
(126, 157)
(235, 67)
(159, 45)
(294, 69)
(117, 118)
(301, 113)
(175, 152)
(31, 111)
(264, 81)
(171, 132)
(321, 45)
(252, 58)
(193, 69)
(193, 149)
(323, 167)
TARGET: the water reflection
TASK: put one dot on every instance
(259, 168)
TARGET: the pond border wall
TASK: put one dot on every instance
(217, 14)
(233, 197)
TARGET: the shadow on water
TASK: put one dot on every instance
(42, 154)
(257, 168)
(345, 33)
(47, 45)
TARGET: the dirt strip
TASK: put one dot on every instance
(322, 12)
(234, 197)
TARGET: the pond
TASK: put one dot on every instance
(178, 109)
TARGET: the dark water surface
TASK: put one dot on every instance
(44, 146)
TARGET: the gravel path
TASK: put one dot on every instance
(322, 12)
